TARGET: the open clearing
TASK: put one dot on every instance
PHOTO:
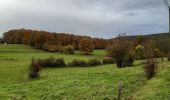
(78, 83)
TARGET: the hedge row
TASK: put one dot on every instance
(37, 64)
(59, 62)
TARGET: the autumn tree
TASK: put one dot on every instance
(121, 51)
(9, 36)
(28, 38)
(86, 46)
(39, 40)
(99, 43)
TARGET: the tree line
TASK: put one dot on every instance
(48, 40)
(52, 41)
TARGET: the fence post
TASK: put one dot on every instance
(119, 90)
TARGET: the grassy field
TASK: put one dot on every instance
(92, 83)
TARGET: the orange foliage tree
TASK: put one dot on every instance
(86, 46)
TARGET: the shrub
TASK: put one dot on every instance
(150, 68)
(34, 69)
(94, 62)
(68, 49)
(120, 50)
(129, 59)
(108, 60)
(86, 46)
(52, 62)
(78, 63)
(60, 62)
(156, 53)
(140, 52)
(49, 62)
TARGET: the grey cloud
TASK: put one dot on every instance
(97, 18)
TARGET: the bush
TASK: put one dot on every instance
(108, 60)
(68, 49)
(150, 68)
(52, 62)
(86, 46)
(140, 52)
(60, 62)
(157, 53)
(78, 63)
(34, 69)
(120, 50)
(129, 59)
(94, 62)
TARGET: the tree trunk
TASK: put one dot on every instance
(119, 63)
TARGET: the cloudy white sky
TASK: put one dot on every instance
(97, 18)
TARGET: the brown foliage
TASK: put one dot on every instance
(34, 69)
(27, 38)
(99, 43)
(51, 47)
(86, 46)
(150, 68)
(40, 38)
(121, 51)
(156, 53)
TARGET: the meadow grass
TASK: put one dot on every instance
(90, 83)
(157, 88)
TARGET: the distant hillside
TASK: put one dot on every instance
(160, 41)
(157, 35)
(150, 36)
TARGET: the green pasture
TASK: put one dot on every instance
(77, 83)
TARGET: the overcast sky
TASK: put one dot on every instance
(97, 18)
